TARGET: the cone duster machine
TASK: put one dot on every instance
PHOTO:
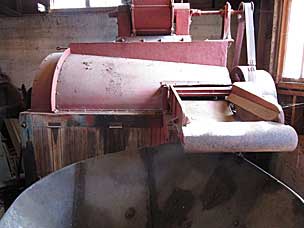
(172, 107)
(152, 86)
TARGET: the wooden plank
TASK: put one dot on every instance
(275, 39)
(284, 12)
(293, 110)
(7, 107)
(59, 144)
(8, 167)
(14, 130)
(3, 80)
(8, 11)
(93, 119)
(264, 34)
(248, 91)
(19, 6)
(302, 66)
(291, 92)
(40, 150)
(291, 85)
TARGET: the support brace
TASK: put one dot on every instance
(245, 21)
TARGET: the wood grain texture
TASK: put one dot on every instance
(285, 11)
(57, 144)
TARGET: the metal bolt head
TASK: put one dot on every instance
(130, 213)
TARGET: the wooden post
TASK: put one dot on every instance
(293, 110)
(19, 6)
(88, 4)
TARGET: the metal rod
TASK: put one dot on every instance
(272, 177)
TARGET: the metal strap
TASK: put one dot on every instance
(248, 9)
(239, 41)
(226, 33)
(246, 21)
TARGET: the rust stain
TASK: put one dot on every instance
(219, 189)
(176, 209)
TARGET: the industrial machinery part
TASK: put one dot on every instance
(160, 187)
(101, 98)
(143, 11)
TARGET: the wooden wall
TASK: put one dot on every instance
(51, 143)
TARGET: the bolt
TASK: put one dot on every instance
(130, 213)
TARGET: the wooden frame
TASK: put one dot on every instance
(285, 11)
(52, 141)
(285, 8)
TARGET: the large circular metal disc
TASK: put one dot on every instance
(160, 187)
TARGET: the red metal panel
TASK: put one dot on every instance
(182, 18)
(221, 91)
(151, 2)
(123, 21)
(57, 72)
(42, 85)
(152, 20)
(201, 52)
(151, 17)
(45, 84)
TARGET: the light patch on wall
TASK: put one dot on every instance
(104, 3)
(41, 7)
(294, 56)
(69, 4)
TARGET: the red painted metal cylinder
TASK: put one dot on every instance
(93, 77)
(107, 83)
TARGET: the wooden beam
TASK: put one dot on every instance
(291, 92)
(291, 85)
(88, 4)
(19, 6)
(8, 11)
(293, 110)
(285, 10)
(14, 129)
(264, 27)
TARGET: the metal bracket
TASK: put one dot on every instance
(245, 21)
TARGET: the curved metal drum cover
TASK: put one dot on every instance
(159, 187)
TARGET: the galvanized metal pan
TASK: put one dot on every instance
(157, 187)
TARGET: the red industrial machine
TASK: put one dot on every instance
(153, 86)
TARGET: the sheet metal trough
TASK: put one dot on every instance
(161, 187)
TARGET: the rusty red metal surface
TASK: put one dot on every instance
(56, 79)
(107, 83)
(182, 18)
(152, 17)
(200, 52)
(191, 91)
(45, 85)
(176, 108)
(148, 17)
(87, 82)
(42, 85)
(123, 21)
